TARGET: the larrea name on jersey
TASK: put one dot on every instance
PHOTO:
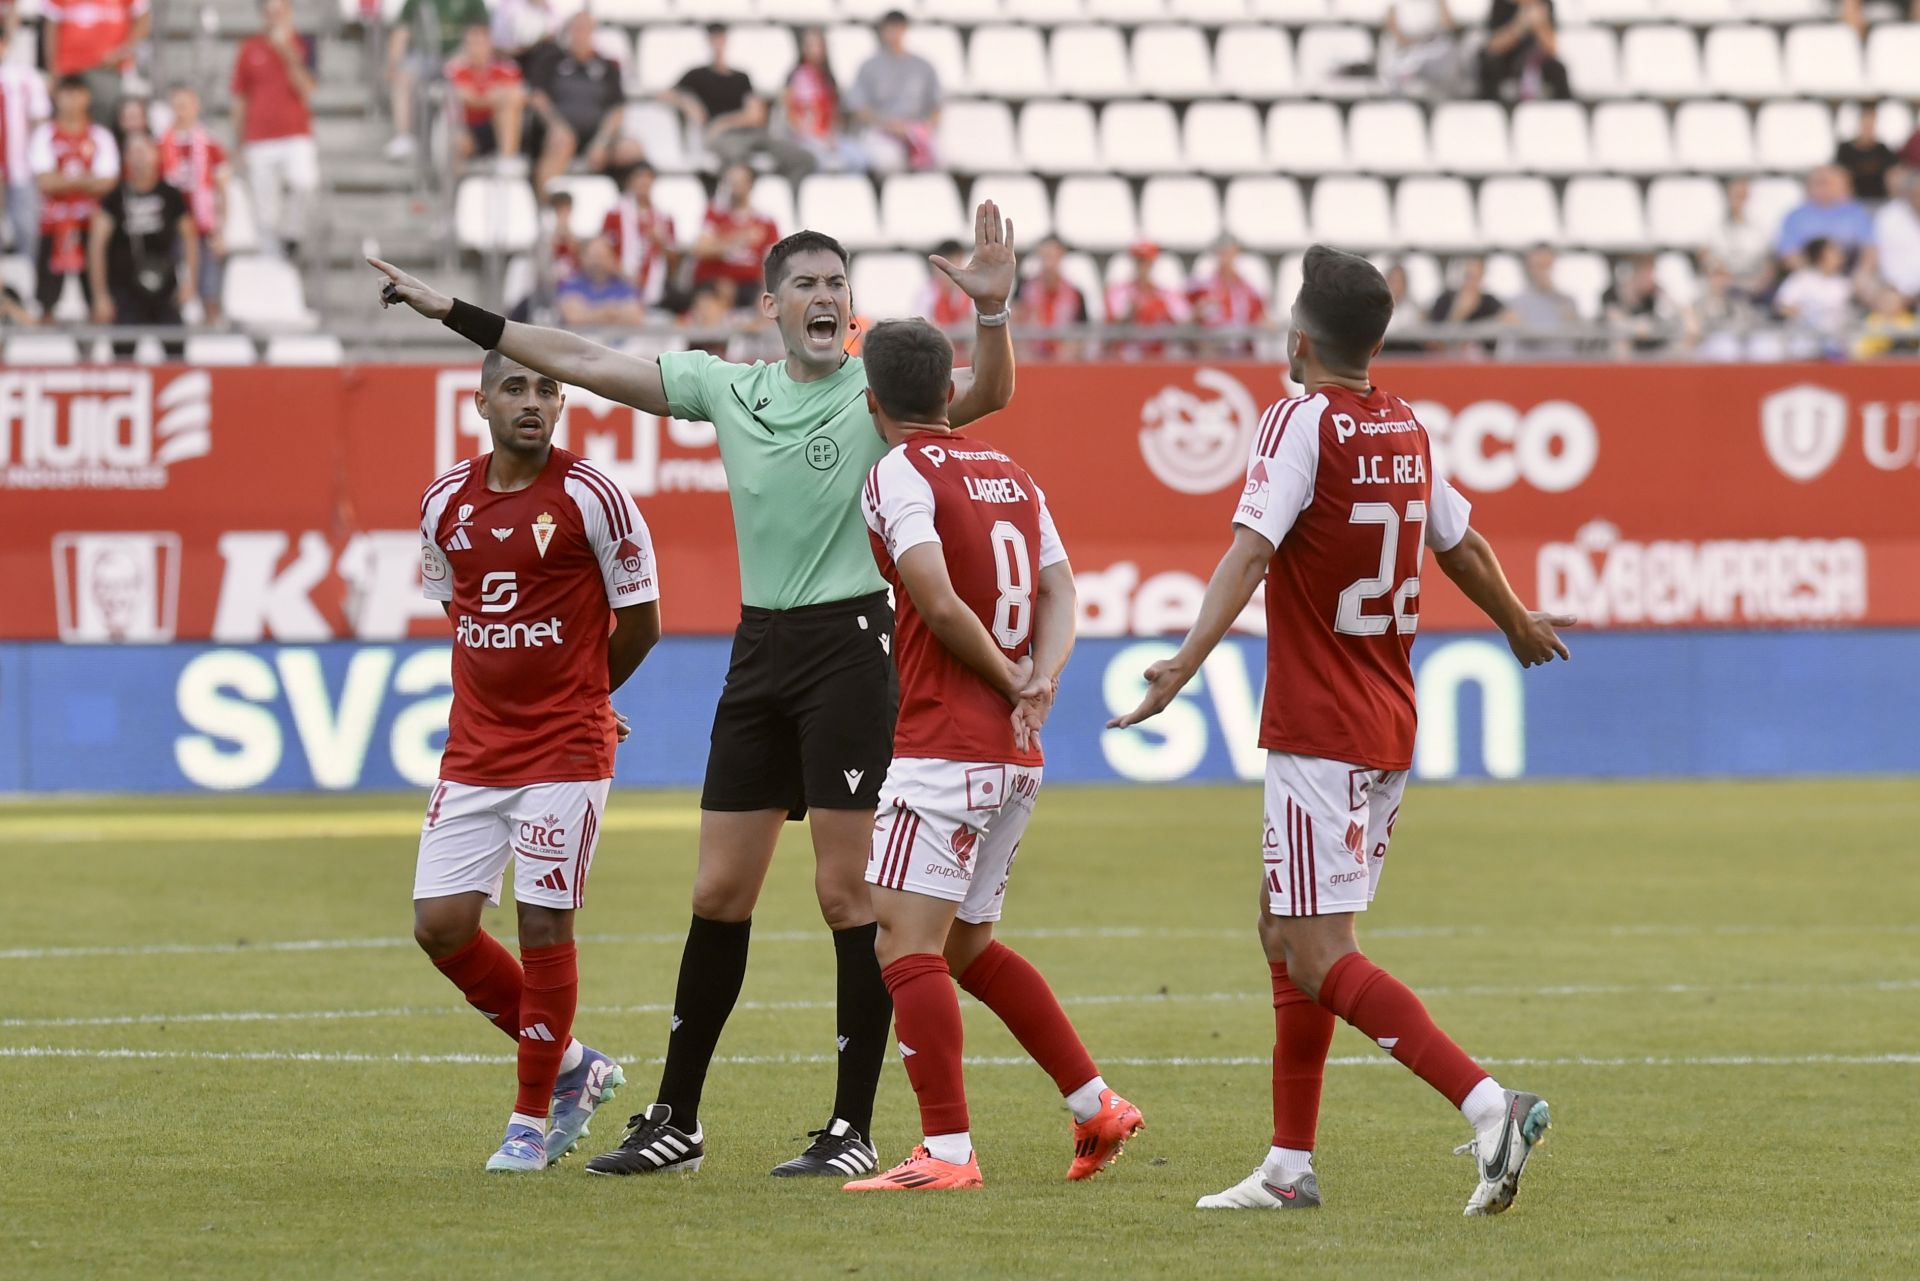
(1343, 486)
(996, 534)
(531, 577)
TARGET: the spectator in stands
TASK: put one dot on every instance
(144, 253)
(131, 117)
(1139, 301)
(582, 105)
(1889, 329)
(195, 164)
(1637, 310)
(1541, 308)
(1819, 294)
(1420, 56)
(734, 236)
(598, 294)
(1829, 213)
(1723, 315)
(1896, 237)
(1405, 314)
(733, 120)
(1468, 301)
(1521, 57)
(1741, 245)
(812, 108)
(273, 127)
(1866, 159)
(408, 68)
(490, 101)
(74, 163)
(96, 40)
(24, 106)
(1225, 299)
(643, 238)
(1048, 300)
(895, 102)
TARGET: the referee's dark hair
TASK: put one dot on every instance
(909, 370)
(1344, 306)
(799, 242)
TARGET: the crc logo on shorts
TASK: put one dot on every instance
(1197, 443)
(822, 453)
(546, 833)
(1356, 843)
(122, 588)
(499, 593)
(965, 839)
(1803, 428)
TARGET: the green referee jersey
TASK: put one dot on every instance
(796, 456)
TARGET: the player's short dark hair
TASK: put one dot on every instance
(909, 368)
(1344, 306)
(892, 17)
(799, 242)
(495, 366)
(72, 82)
(716, 28)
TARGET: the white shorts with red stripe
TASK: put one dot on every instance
(950, 829)
(548, 830)
(1328, 824)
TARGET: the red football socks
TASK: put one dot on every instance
(1006, 983)
(547, 1001)
(926, 1021)
(490, 979)
(1387, 1010)
(1302, 1031)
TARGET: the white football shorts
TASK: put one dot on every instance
(950, 829)
(548, 831)
(1327, 828)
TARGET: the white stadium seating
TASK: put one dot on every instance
(1716, 137)
(1743, 62)
(1255, 63)
(844, 202)
(1266, 214)
(1059, 137)
(1793, 135)
(976, 135)
(1471, 138)
(493, 214)
(1223, 138)
(1351, 211)
(1435, 213)
(1660, 62)
(1389, 137)
(1008, 62)
(1632, 137)
(1893, 59)
(1140, 138)
(1684, 210)
(1518, 212)
(1172, 62)
(1089, 62)
(1180, 212)
(1306, 138)
(921, 210)
(887, 286)
(1095, 213)
(1603, 213)
(1825, 60)
(1023, 200)
(219, 349)
(1552, 137)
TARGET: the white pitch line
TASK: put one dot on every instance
(1241, 1060)
(1116, 998)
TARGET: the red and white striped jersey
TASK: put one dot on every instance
(631, 231)
(1343, 486)
(64, 219)
(532, 576)
(992, 525)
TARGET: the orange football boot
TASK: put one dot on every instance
(1099, 1140)
(922, 1171)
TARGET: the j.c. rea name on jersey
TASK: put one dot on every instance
(1381, 469)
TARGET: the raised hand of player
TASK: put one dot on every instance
(988, 277)
(1535, 641)
(400, 287)
(1164, 680)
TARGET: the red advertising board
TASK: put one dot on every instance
(249, 504)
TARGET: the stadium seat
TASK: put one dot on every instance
(1328, 54)
(1266, 214)
(848, 47)
(1770, 199)
(1211, 13)
(1088, 62)
(1059, 137)
(1551, 137)
(42, 349)
(1793, 135)
(1140, 138)
(1617, 12)
(217, 350)
(1352, 212)
(593, 196)
(1095, 214)
(964, 13)
(1603, 213)
(1893, 59)
(1824, 60)
(1675, 275)
(1370, 13)
(628, 13)
(1786, 10)
(242, 230)
(1685, 210)
(1505, 276)
(810, 13)
(728, 11)
(266, 292)
(1592, 56)
(1172, 62)
(617, 47)
(518, 282)
(844, 202)
(766, 53)
(1715, 137)
(1471, 138)
(305, 349)
(1048, 13)
(491, 214)
(940, 45)
(1223, 138)
(1743, 61)
(1286, 280)
(1008, 62)
(1583, 277)
(1388, 137)
(1896, 121)
(1701, 13)
(1023, 199)
(665, 53)
(1083, 273)
(663, 132)
(682, 198)
(1181, 212)
(1660, 61)
(1435, 213)
(888, 285)
(1518, 212)
(1423, 278)
(1127, 13)
(1255, 63)
(919, 210)
(1306, 138)
(976, 136)
(773, 196)
(1632, 137)
(1293, 13)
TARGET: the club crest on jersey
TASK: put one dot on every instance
(466, 512)
(542, 532)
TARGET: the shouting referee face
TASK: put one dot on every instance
(520, 406)
(808, 297)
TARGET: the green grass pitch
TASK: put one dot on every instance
(221, 1055)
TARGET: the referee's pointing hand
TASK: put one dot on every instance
(988, 278)
(400, 287)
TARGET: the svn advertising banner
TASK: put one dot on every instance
(246, 505)
(347, 716)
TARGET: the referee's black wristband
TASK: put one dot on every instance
(477, 325)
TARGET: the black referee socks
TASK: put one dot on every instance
(712, 968)
(865, 1012)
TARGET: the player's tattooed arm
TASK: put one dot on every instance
(636, 630)
(1476, 571)
(1231, 587)
(988, 278)
(923, 570)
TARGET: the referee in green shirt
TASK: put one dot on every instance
(805, 722)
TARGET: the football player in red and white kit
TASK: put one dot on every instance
(1340, 498)
(984, 623)
(545, 568)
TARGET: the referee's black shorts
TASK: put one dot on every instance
(806, 718)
